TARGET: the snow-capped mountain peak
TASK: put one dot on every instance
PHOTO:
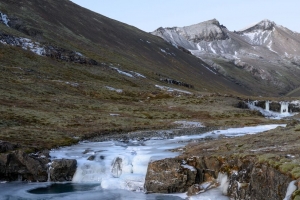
(262, 25)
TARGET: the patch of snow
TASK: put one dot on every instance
(26, 44)
(138, 74)
(209, 69)
(212, 49)
(188, 167)
(74, 84)
(113, 114)
(79, 54)
(188, 124)
(296, 102)
(148, 42)
(169, 89)
(122, 72)
(4, 19)
(269, 47)
(162, 50)
(114, 89)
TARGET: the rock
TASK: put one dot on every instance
(242, 104)
(18, 165)
(275, 106)
(169, 176)
(62, 169)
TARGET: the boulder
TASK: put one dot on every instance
(18, 165)
(62, 169)
(169, 176)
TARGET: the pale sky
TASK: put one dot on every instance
(148, 15)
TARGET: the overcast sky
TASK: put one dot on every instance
(148, 15)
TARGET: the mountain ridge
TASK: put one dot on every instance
(264, 50)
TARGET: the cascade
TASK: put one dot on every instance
(291, 188)
(49, 165)
(284, 107)
(267, 106)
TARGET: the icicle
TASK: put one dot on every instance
(284, 107)
(48, 171)
(291, 188)
(267, 106)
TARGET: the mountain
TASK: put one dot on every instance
(264, 57)
(67, 73)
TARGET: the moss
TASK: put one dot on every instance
(296, 195)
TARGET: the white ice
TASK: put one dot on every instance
(271, 114)
(188, 124)
(291, 188)
(122, 72)
(4, 19)
(114, 89)
(135, 157)
(169, 89)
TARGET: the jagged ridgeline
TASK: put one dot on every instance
(264, 57)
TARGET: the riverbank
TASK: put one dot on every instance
(259, 166)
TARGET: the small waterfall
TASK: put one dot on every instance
(49, 165)
(267, 106)
(284, 107)
(224, 182)
(291, 188)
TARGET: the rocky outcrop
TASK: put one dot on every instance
(247, 177)
(169, 176)
(62, 170)
(54, 52)
(18, 165)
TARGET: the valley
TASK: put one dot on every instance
(70, 75)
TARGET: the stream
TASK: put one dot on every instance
(116, 170)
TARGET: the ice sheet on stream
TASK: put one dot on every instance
(134, 156)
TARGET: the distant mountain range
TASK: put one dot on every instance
(264, 58)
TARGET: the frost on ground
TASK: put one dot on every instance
(169, 89)
(4, 19)
(25, 43)
(188, 124)
(114, 89)
(130, 74)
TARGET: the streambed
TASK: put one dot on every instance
(115, 169)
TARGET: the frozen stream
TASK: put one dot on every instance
(115, 170)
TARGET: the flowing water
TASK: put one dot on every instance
(116, 170)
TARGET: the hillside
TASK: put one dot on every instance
(68, 73)
(263, 57)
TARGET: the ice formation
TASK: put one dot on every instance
(284, 112)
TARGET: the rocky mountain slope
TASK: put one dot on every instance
(264, 57)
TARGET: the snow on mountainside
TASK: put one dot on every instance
(265, 52)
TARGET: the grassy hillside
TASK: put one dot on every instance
(47, 102)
